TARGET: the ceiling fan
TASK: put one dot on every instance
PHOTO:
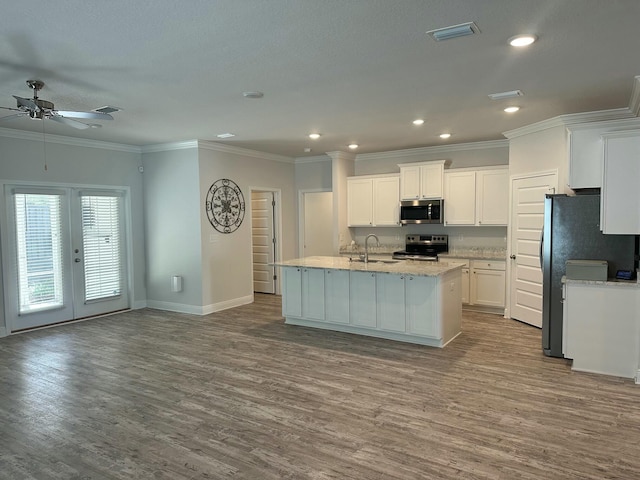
(39, 109)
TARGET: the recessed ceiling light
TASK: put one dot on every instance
(353, 146)
(444, 136)
(453, 31)
(418, 121)
(253, 94)
(226, 135)
(522, 40)
(512, 109)
(314, 136)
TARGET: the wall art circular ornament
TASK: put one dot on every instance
(225, 205)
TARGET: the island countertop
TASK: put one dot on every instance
(400, 267)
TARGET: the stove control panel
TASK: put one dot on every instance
(413, 239)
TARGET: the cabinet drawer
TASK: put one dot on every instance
(489, 265)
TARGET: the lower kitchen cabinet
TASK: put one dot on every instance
(362, 299)
(336, 290)
(421, 293)
(291, 292)
(488, 283)
(313, 293)
(390, 294)
(465, 276)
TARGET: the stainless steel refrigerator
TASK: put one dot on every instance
(572, 232)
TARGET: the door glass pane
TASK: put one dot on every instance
(38, 231)
(101, 244)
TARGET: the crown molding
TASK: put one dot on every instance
(314, 159)
(338, 155)
(166, 147)
(246, 152)
(571, 119)
(412, 152)
(63, 140)
(634, 101)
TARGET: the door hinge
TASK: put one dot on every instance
(275, 277)
(273, 203)
(273, 240)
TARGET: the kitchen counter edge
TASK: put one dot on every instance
(401, 267)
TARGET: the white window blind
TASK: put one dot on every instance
(38, 232)
(101, 245)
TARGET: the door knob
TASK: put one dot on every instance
(512, 257)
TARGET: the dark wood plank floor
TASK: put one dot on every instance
(238, 394)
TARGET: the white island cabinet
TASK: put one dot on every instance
(417, 302)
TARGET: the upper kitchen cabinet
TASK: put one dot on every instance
(373, 201)
(585, 149)
(476, 197)
(619, 199)
(421, 180)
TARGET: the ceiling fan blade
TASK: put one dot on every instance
(28, 103)
(88, 115)
(11, 117)
(69, 122)
(12, 109)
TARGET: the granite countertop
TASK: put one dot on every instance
(400, 267)
(614, 282)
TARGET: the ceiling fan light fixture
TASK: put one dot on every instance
(522, 40)
(454, 31)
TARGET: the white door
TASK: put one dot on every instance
(318, 224)
(66, 255)
(263, 241)
(527, 215)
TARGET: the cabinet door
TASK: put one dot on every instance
(386, 201)
(390, 302)
(492, 197)
(421, 299)
(362, 299)
(410, 183)
(292, 292)
(313, 293)
(465, 285)
(620, 200)
(487, 287)
(431, 181)
(336, 289)
(460, 198)
(360, 202)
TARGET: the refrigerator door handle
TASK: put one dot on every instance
(541, 242)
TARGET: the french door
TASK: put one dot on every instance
(67, 255)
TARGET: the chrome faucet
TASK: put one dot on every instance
(366, 246)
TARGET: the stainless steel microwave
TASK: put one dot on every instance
(421, 211)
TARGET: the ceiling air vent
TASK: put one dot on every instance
(503, 95)
(454, 31)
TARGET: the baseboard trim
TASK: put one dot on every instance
(3, 332)
(199, 310)
(637, 379)
(235, 302)
(137, 305)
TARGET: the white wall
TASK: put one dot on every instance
(73, 161)
(540, 151)
(313, 174)
(172, 227)
(478, 154)
(227, 266)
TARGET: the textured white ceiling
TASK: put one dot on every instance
(353, 70)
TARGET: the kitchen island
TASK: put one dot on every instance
(404, 300)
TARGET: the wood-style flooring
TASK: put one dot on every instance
(239, 395)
